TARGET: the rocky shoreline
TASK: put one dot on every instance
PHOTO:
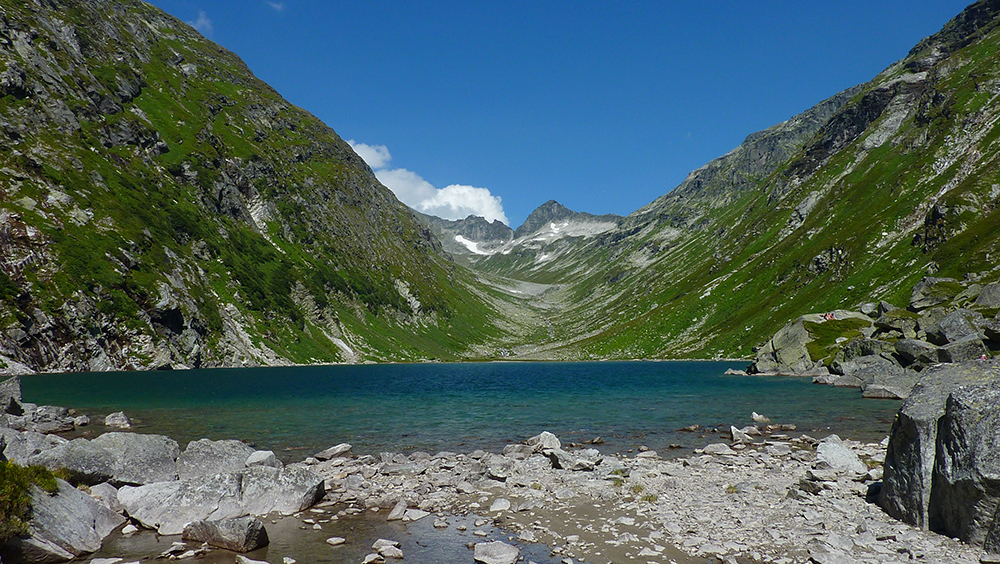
(761, 496)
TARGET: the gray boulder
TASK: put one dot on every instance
(205, 458)
(169, 506)
(932, 291)
(544, 441)
(786, 352)
(10, 396)
(892, 383)
(495, 552)
(241, 534)
(263, 458)
(21, 446)
(954, 327)
(497, 467)
(65, 525)
(833, 454)
(120, 458)
(585, 460)
(838, 381)
(910, 455)
(901, 320)
(50, 419)
(990, 329)
(965, 492)
(863, 350)
(989, 296)
(964, 349)
(333, 452)
(118, 420)
(916, 351)
(107, 495)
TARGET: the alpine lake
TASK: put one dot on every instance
(296, 411)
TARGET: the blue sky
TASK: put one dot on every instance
(496, 107)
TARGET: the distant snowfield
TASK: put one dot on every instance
(548, 234)
(472, 246)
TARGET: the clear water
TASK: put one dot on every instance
(459, 407)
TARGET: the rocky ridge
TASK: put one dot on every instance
(470, 236)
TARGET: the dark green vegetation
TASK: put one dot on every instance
(15, 496)
(160, 206)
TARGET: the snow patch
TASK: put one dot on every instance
(472, 246)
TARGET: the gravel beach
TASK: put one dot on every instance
(776, 500)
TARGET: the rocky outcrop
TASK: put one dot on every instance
(946, 322)
(788, 351)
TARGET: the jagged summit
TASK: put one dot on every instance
(553, 211)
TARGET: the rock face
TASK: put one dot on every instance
(911, 456)
(965, 491)
(65, 525)
(242, 534)
(169, 506)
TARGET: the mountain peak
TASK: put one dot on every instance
(554, 211)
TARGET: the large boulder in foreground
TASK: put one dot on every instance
(169, 506)
(965, 492)
(65, 525)
(910, 456)
(119, 458)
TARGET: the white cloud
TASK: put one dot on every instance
(377, 156)
(455, 201)
(202, 24)
(278, 6)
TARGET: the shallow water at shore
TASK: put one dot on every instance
(419, 541)
(459, 407)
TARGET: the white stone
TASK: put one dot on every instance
(495, 552)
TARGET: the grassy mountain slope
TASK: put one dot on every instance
(159, 205)
(854, 200)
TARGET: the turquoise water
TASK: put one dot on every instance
(459, 407)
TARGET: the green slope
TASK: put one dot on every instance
(159, 205)
(857, 200)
